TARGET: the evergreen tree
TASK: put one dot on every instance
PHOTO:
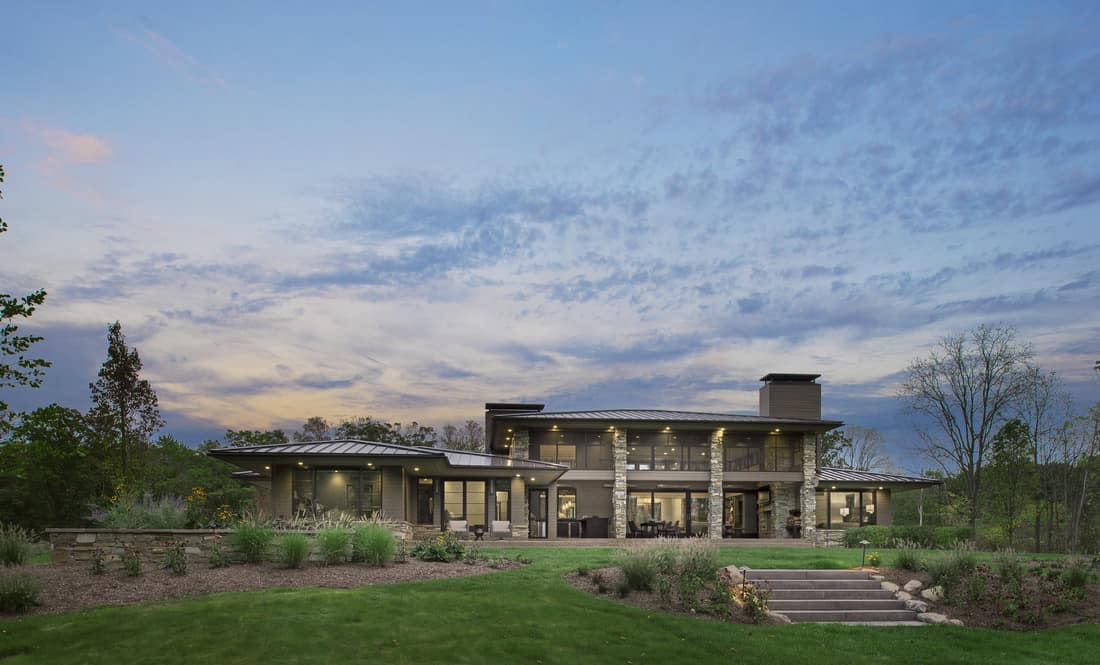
(124, 411)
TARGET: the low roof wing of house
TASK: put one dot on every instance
(827, 474)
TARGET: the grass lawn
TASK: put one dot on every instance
(528, 615)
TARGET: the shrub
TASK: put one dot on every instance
(16, 545)
(374, 544)
(874, 559)
(906, 559)
(443, 547)
(293, 549)
(1010, 568)
(131, 561)
(252, 541)
(99, 565)
(754, 603)
(947, 537)
(333, 543)
(623, 589)
(175, 559)
(217, 556)
(600, 582)
(163, 513)
(401, 552)
(1076, 577)
(639, 566)
(583, 571)
(18, 591)
(922, 537)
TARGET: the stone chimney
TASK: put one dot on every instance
(791, 396)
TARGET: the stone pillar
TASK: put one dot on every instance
(519, 508)
(716, 504)
(785, 498)
(437, 503)
(521, 445)
(618, 491)
(809, 485)
(552, 511)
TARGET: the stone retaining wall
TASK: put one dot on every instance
(81, 544)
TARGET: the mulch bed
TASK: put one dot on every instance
(1039, 606)
(71, 586)
(646, 600)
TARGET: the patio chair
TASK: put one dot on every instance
(459, 528)
(500, 529)
(631, 529)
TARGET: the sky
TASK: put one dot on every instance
(406, 210)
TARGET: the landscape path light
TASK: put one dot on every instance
(863, 561)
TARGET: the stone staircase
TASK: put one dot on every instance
(831, 596)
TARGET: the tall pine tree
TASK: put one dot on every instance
(124, 411)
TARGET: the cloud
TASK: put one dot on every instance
(172, 56)
(72, 149)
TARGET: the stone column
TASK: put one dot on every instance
(809, 485)
(785, 498)
(521, 444)
(618, 491)
(716, 504)
(552, 511)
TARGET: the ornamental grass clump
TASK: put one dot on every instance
(18, 591)
(252, 541)
(293, 549)
(906, 557)
(131, 561)
(333, 544)
(1075, 577)
(373, 544)
(146, 513)
(16, 545)
(639, 566)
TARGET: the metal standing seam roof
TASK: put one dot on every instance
(658, 415)
(356, 448)
(835, 475)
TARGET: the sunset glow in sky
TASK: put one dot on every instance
(406, 212)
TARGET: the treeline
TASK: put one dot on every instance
(1020, 468)
(60, 467)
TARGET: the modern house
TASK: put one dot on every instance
(597, 474)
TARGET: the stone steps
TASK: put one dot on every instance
(850, 616)
(830, 596)
(865, 584)
(833, 604)
(826, 594)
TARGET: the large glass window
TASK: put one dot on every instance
(335, 492)
(760, 451)
(503, 500)
(464, 500)
(578, 449)
(567, 503)
(845, 509)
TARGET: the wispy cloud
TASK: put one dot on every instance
(173, 56)
(70, 148)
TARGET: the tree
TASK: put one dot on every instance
(124, 412)
(49, 477)
(469, 436)
(960, 395)
(315, 428)
(415, 434)
(855, 447)
(1010, 477)
(251, 437)
(1043, 407)
(367, 429)
(1077, 465)
(16, 368)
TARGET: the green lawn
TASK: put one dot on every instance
(527, 615)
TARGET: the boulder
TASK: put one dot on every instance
(731, 576)
(776, 617)
(956, 622)
(889, 586)
(934, 594)
(913, 586)
(931, 617)
(918, 606)
(878, 578)
(903, 595)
